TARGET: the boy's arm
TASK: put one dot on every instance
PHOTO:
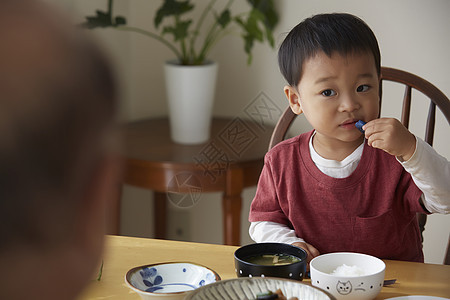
(429, 170)
(264, 232)
(431, 173)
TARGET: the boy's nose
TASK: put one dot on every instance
(349, 103)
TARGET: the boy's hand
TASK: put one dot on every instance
(310, 250)
(390, 135)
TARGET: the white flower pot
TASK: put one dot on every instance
(190, 92)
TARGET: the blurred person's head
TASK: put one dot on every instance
(57, 171)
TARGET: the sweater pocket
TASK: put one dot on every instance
(377, 235)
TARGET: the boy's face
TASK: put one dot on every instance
(335, 92)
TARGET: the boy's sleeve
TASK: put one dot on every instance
(270, 232)
(265, 206)
(431, 173)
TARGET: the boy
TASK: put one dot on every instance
(334, 188)
(57, 170)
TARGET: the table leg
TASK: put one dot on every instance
(113, 225)
(160, 214)
(447, 255)
(232, 205)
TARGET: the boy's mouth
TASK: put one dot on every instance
(350, 123)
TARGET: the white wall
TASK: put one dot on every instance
(413, 35)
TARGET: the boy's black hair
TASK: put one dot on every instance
(338, 32)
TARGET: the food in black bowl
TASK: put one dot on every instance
(270, 260)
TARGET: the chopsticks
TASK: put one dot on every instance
(389, 282)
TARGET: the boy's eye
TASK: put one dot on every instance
(362, 88)
(328, 93)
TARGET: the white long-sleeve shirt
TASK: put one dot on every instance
(429, 171)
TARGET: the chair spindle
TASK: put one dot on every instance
(406, 106)
(431, 119)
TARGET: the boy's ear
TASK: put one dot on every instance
(293, 98)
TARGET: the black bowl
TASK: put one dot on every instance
(295, 270)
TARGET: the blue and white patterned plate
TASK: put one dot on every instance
(169, 278)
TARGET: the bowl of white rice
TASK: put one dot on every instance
(348, 275)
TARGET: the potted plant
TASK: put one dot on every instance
(191, 42)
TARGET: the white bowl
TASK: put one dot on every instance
(248, 288)
(362, 287)
(169, 281)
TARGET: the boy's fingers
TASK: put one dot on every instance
(306, 247)
(373, 127)
(377, 144)
(313, 252)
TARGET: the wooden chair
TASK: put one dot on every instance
(411, 81)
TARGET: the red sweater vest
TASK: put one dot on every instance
(372, 211)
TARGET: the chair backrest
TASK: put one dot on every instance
(411, 81)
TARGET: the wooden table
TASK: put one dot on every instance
(123, 253)
(230, 161)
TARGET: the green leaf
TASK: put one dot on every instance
(101, 19)
(262, 14)
(239, 21)
(179, 31)
(224, 18)
(172, 8)
(271, 19)
(269, 37)
(252, 25)
(100, 272)
(248, 43)
(267, 9)
(104, 19)
(120, 21)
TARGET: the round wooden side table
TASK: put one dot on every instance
(230, 161)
